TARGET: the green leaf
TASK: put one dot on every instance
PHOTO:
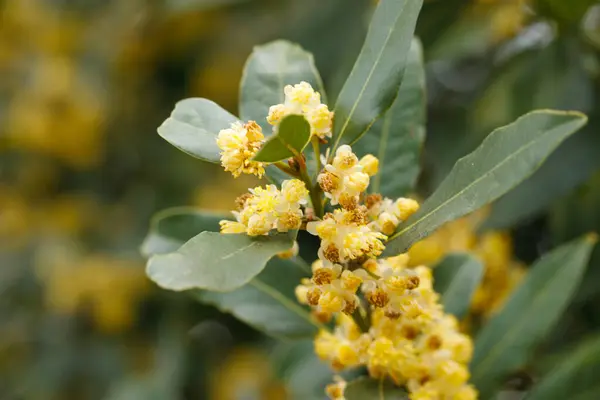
(396, 139)
(507, 340)
(556, 78)
(367, 388)
(215, 261)
(268, 70)
(506, 157)
(291, 138)
(193, 128)
(572, 164)
(574, 375)
(268, 303)
(456, 277)
(376, 76)
(171, 228)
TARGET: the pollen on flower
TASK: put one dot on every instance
(344, 179)
(411, 340)
(238, 145)
(347, 232)
(267, 208)
(302, 99)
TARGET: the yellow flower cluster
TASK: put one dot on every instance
(238, 145)
(419, 347)
(387, 214)
(264, 209)
(346, 177)
(304, 100)
(388, 317)
(345, 235)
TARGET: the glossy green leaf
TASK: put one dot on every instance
(291, 138)
(193, 128)
(556, 78)
(376, 76)
(506, 157)
(396, 139)
(507, 340)
(215, 261)
(571, 165)
(268, 303)
(455, 278)
(171, 228)
(268, 70)
(368, 388)
(574, 375)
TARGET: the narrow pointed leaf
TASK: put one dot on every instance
(506, 157)
(455, 278)
(215, 261)
(193, 128)
(368, 388)
(396, 138)
(373, 83)
(575, 374)
(268, 70)
(292, 137)
(268, 303)
(507, 340)
(172, 227)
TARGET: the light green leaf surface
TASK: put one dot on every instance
(171, 228)
(507, 340)
(396, 138)
(455, 278)
(376, 76)
(268, 303)
(575, 375)
(291, 138)
(506, 157)
(215, 261)
(193, 127)
(268, 70)
(368, 388)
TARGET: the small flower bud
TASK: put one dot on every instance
(370, 164)
(406, 208)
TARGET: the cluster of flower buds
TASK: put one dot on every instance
(302, 99)
(264, 209)
(238, 146)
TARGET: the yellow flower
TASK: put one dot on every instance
(238, 145)
(370, 164)
(345, 236)
(387, 214)
(265, 209)
(344, 180)
(302, 99)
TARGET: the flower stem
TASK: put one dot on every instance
(317, 150)
(314, 194)
(360, 320)
(286, 168)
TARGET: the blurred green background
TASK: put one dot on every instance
(85, 83)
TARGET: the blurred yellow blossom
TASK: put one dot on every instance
(109, 288)
(246, 373)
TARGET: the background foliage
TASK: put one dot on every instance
(85, 84)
